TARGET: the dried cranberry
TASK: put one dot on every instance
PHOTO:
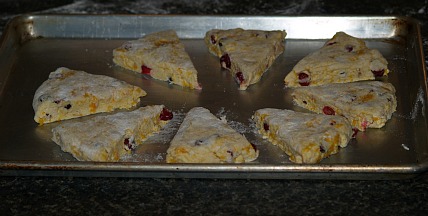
(349, 48)
(145, 69)
(365, 124)
(305, 102)
(240, 77)
(254, 147)
(328, 110)
(128, 145)
(230, 152)
(68, 106)
(213, 41)
(265, 126)
(303, 79)
(331, 43)
(355, 132)
(226, 60)
(166, 115)
(322, 150)
(378, 73)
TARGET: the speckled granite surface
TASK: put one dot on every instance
(139, 196)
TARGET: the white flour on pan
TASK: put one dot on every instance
(419, 105)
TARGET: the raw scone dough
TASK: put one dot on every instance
(203, 138)
(108, 137)
(366, 104)
(71, 93)
(160, 55)
(304, 137)
(342, 59)
(247, 54)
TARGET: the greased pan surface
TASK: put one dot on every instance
(33, 46)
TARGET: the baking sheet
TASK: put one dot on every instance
(33, 46)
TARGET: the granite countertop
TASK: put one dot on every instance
(22, 195)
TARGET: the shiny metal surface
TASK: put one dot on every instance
(33, 46)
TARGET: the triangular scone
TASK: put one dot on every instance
(366, 104)
(161, 55)
(342, 59)
(247, 54)
(203, 138)
(108, 137)
(304, 137)
(70, 94)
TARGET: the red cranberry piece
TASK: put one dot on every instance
(378, 73)
(354, 132)
(303, 79)
(240, 77)
(166, 115)
(365, 124)
(322, 150)
(68, 106)
(265, 126)
(254, 147)
(349, 48)
(145, 69)
(128, 145)
(225, 61)
(213, 41)
(328, 110)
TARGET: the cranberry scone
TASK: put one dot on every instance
(342, 59)
(366, 104)
(71, 93)
(247, 54)
(160, 55)
(105, 138)
(304, 137)
(203, 138)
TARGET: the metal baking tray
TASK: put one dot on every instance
(34, 45)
